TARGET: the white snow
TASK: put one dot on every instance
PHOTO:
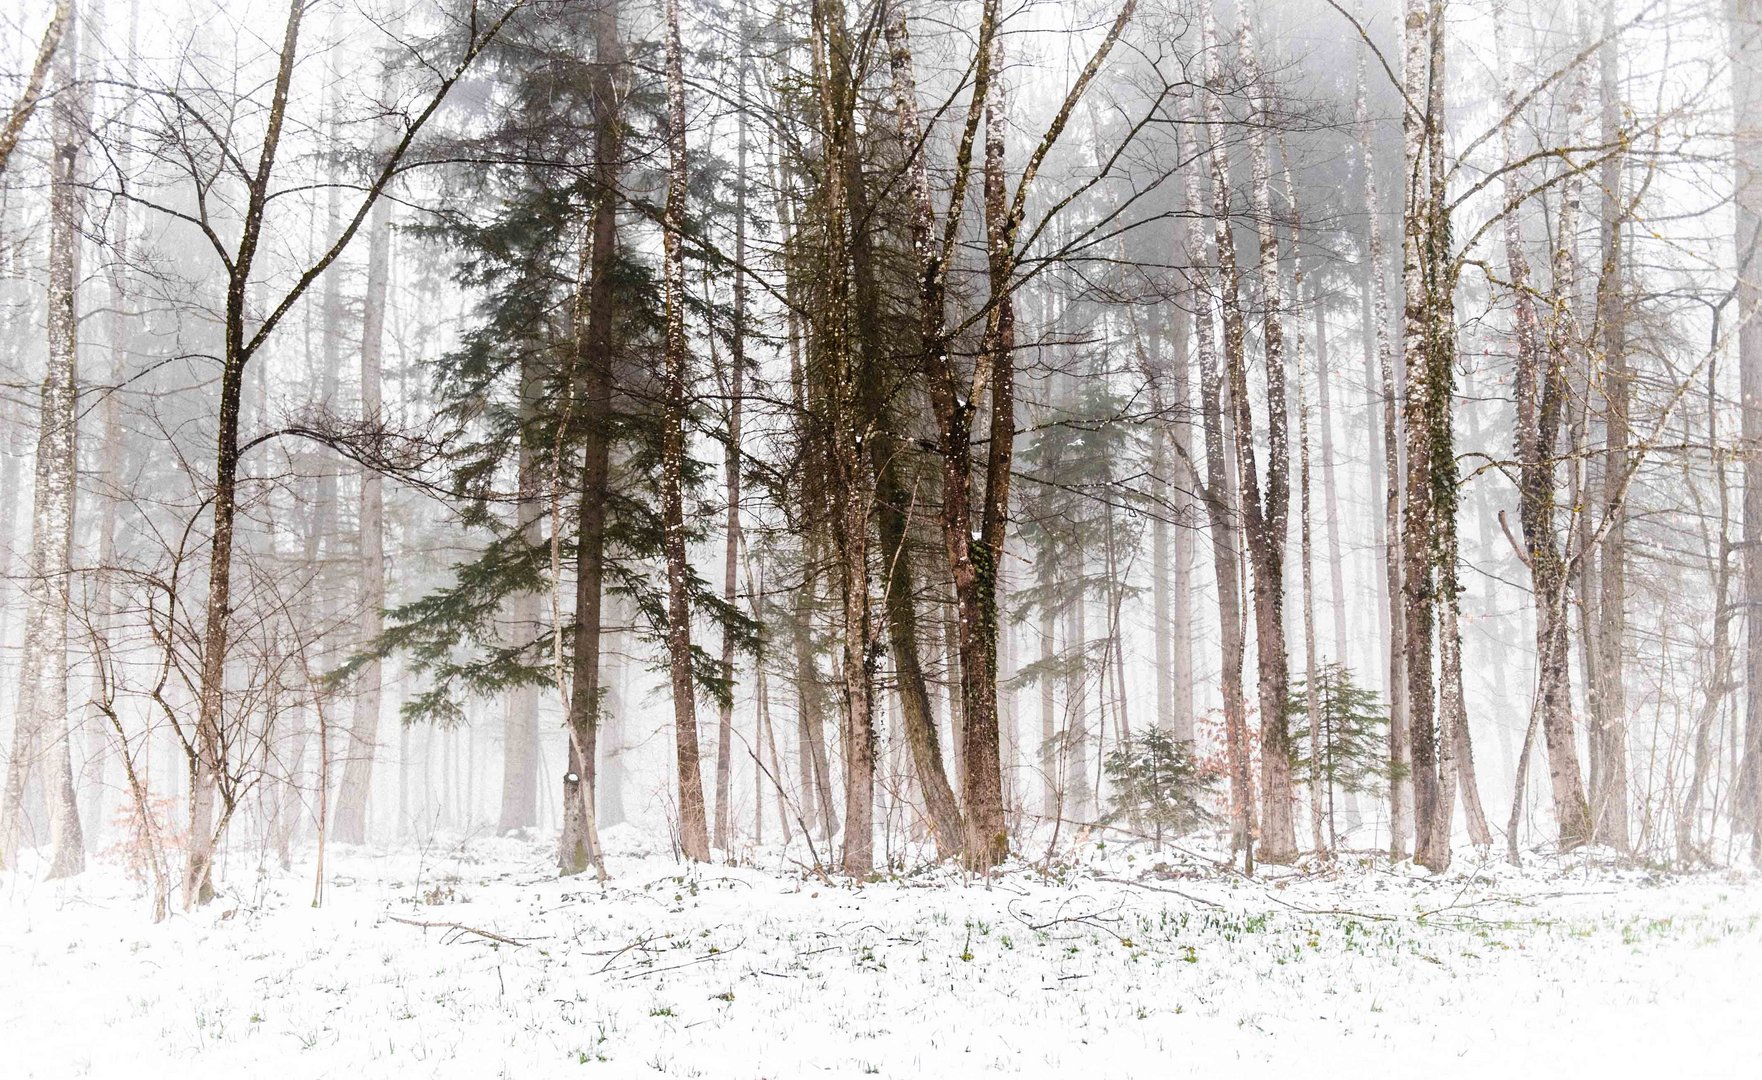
(1114, 962)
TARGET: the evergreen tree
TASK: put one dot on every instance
(1351, 738)
(1157, 784)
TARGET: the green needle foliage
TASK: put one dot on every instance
(1351, 753)
(1157, 785)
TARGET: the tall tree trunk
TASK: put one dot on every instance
(1267, 516)
(736, 389)
(1610, 799)
(1217, 492)
(1400, 750)
(1417, 522)
(208, 749)
(1312, 700)
(847, 367)
(350, 824)
(694, 839)
(810, 710)
(1745, 18)
(1541, 393)
(41, 729)
(1051, 790)
(595, 320)
(109, 469)
(1330, 489)
(519, 805)
(1309, 666)
(1185, 508)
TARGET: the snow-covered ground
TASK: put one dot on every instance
(471, 959)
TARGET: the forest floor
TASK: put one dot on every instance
(469, 958)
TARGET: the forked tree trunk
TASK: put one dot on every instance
(974, 534)
(1541, 393)
(211, 788)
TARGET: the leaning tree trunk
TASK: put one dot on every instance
(61, 22)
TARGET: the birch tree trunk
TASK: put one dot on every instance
(1267, 515)
(41, 733)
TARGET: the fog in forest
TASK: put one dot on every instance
(1142, 460)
